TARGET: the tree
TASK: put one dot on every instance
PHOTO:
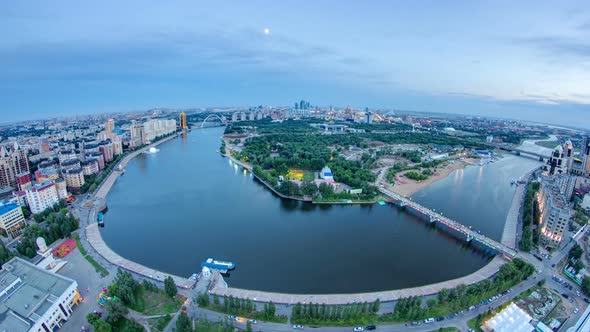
(116, 309)
(102, 326)
(576, 252)
(170, 286)
(248, 326)
(183, 323)
(586, 285)
(309, 188)
(203, 300)
(92, 318)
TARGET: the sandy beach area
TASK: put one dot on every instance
(406, 187)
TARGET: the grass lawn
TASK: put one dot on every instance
(90, 260)
(159, 324)
(548, 144)
(155, 302)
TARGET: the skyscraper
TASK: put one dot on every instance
(585, 155)
(561, 159)
(183, 124)
(12, 162)
(109, 126)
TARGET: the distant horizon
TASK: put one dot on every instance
(179, 109)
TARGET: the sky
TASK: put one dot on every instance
(526, 60)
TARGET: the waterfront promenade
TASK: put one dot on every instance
(511, 227)
(108, 183)
(96, 241)
(486, 272)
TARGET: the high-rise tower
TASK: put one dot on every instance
(182, 122)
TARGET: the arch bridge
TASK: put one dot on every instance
(220, 118)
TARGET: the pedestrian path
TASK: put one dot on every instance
(96, 241)
(221, 289)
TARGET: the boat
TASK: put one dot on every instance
(99, 219)
(218, 265)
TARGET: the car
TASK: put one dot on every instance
(439, 319)
(565, 295)
(358, 329)
(253, 321)
(232, 317)
(298, 327)
(429, 320)
(587, 300)
(576, 311)
(370, 327)
(415, 323)
(552, 265)
(578, 293)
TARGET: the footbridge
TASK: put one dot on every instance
(470, 234)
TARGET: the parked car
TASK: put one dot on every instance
(358, 329)
(429, 320)
(439, 319)
(415, 323)
(370, 327)
(253, 321)
(298, 327)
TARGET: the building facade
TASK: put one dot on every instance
(136, 133)
(12, 162)
(152, 129)
(12, 219)
(61, 187)
(74, 179)
(42, 196)
(561, 159)
(556, 211)
(109, 126)
(106, 148)
(90, 166)
(182, 121)
(33, 299)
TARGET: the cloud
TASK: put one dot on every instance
(557, 45)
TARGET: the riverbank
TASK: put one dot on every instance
(407, 187)
(107, 184)
(301, 199)
(220, 288)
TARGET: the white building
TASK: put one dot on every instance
(61, 187)
(152, 129)
(12, 219)
(511, 319)
(561, 160)
(586, 202)
(326, 174)
(33, 299)
(42, 196)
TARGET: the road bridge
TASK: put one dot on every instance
(470, 234)
(541, 156)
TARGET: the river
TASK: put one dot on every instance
(173, 209)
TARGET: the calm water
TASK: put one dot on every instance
(173, 209)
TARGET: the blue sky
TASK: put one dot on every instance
(519, 59)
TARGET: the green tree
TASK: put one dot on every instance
(92, 318)
(116, 309)
(309, 188)
(102, 326)
(586, 285)
(203, 300)
(248, 326)
(576, 252)
(183, 323)
(170, 287)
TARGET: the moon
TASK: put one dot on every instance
(266, 31)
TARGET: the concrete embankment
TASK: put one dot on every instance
(108, 183)
(484, 273)
(96, 241)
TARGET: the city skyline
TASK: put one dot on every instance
(525, 61)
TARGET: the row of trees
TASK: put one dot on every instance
(184, 324)
(531, 213)
(462, 296)
(93, 181)
(349, 314)
(239, 307)
(56, 225)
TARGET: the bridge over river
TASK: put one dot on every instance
(469, 233)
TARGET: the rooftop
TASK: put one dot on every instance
(6, 206)
(26, 293)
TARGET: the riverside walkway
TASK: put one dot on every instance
(467, 231)
(221, 289)
(96, 241)
(106, 185)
